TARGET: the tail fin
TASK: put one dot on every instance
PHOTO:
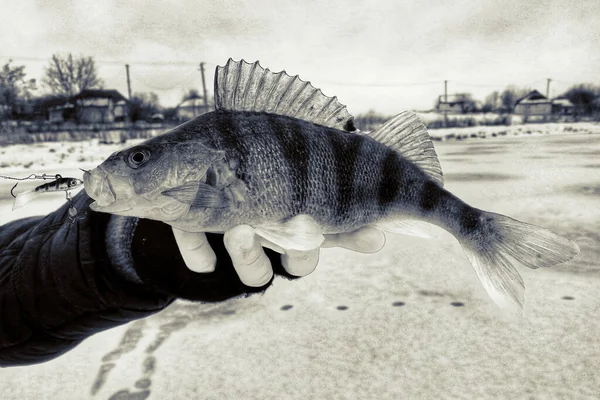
(24, 198)
(530, 245)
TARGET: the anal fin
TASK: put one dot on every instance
(300, 233)
(406, 227)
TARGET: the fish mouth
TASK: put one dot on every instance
(98, 187)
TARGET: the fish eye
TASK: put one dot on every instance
(138, 157)
(72, 182)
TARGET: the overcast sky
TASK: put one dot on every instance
(381, 55)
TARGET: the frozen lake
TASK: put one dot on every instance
(409, 322)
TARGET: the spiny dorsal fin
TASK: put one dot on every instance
(406, 134)
(241, 86)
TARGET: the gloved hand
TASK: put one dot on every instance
(252, 263)
(62, 280)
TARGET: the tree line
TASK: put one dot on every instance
(65, 76)
(586, 97)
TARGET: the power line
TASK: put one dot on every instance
(483, 85)
(166, 87)
(115, 62)
(391, 84)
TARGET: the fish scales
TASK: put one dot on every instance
(280, 156)
(294, 167)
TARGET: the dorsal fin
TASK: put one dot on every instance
(406, 134)
(241, 86)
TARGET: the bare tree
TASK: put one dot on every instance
(14, 89)
(143, 105)
(191, 94)
(69, 76)
(511, 95)
(583, 96)
(492, 102)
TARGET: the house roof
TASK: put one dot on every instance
(53, 101)
(563, 102)
(100, 93)
(533, 97)
(193, 102)
(454, 98)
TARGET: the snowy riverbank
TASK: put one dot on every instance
(409, 322)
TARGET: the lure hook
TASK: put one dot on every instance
(13, 188)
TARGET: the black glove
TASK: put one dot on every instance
(62, 280)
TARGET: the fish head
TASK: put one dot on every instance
(131, 182)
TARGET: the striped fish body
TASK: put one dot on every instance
(291, 167)
(280, 156)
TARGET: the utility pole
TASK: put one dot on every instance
(204, 86)
(548, 88)
(446, 91)
(128, 81)
(446, 105)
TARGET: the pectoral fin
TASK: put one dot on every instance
(199, 194)
(300, 233)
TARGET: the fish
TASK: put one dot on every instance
(57, 185)
(279, 155)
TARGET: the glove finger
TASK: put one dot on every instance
(195, 250)
(300, 263)
(249, 260)
(364, 240)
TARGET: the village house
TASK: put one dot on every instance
(191, 108)
(91, 106)
(101, 106)
(534, 103)
(57, 109)
(562, 106)
(455, 104)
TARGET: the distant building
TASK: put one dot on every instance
(596, 105)
(456, 104)
(562, 106)
(534, 103)
(91, 106)
(157, 118)
(191, 108)
(101, 106)
(55, 109)
(61, 112)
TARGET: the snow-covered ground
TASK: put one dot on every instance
(532, 129)
(416, 324)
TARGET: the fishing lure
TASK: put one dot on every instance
(59, 183)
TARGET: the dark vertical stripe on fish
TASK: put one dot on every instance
(225, 127)
(390, 180)
(345, 152)
(430, 196)
(469, 219)
(294, 144)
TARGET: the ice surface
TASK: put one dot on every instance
(426, 349)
